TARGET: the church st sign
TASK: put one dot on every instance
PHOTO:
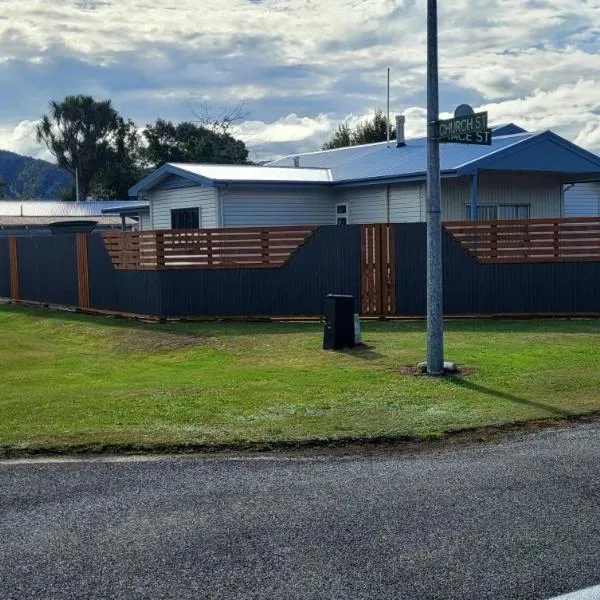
(467, 129)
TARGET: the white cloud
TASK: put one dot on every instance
(22, 140)
(317, 61)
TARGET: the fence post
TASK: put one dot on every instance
(264, 246)
(160, 249)
(493, 240)
(556, 240)
(209, 248)
(14, 267)
(83, 275)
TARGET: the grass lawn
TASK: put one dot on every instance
(70, 380)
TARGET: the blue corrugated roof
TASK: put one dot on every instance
(512, 149)
(374, 161)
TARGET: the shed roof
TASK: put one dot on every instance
(59, 209)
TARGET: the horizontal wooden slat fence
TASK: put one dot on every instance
(231, 248)
(537, 240)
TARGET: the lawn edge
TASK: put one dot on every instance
(345, 445)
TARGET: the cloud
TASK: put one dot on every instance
(22, 140)
(302, 67)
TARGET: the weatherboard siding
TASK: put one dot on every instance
(543, 193)
(407, 203)
(365, 204)
(145, 222)
(582, 200)
(277, 206)
(163, 201)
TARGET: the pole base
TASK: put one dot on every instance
(450, 368)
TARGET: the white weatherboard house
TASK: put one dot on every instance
(521, 175)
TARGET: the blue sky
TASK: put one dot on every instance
(300, 67)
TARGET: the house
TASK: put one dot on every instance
(521, 175)
(582, 199)
(34, 217)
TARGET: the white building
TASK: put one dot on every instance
(521, 175)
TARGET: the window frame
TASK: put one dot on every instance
(343, 215)
(196, 211)
(498, 208)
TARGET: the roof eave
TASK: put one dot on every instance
(387, 179)
(161, 173)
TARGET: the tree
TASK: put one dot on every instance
(122, 168)
(366, 132)
(83, 135)
(189, 142)
(340, 139)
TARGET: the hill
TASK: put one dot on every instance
(27, 177)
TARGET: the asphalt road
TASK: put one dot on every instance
(510, 520)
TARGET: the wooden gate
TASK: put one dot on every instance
(378, 270)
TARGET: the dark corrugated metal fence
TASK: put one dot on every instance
(54, 270)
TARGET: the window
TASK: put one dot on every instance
(185, 218)
(495, 212)
(341, 214)
(514, 211)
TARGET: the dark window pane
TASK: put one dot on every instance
(341, 209)
(185, 218)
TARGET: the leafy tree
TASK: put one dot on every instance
(366, 132)
(122, 168)
(190, 142)
(340, 139)
(82, 134)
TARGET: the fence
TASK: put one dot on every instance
(541, 240)
(205, 248)
(489, 268)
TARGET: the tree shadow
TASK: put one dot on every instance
(510, 397)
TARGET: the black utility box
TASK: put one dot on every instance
(339, 322)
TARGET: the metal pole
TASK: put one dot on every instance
(435, 325)
(76, 185)
(388, 108)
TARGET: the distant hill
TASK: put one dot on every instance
(30, 178)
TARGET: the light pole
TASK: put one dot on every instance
(435, 325)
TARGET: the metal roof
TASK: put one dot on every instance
(11, 221)
(257, 173)
(374, 161)
(58, 209)
(207, 173)
(511, 149)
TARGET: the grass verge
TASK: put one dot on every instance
(74, 382)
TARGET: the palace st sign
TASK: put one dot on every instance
(468, 129)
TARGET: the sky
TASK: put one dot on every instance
(300, 67)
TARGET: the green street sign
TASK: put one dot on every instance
(482, 138)
(468, 129)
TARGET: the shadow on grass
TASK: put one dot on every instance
(364, 352)
(223, 326)
(510, 397)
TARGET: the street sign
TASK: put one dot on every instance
(482, 138)
(467, 129)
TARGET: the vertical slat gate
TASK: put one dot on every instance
(83, 275)
(378, 270)
(14, 268)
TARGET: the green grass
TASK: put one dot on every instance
(70, 380)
